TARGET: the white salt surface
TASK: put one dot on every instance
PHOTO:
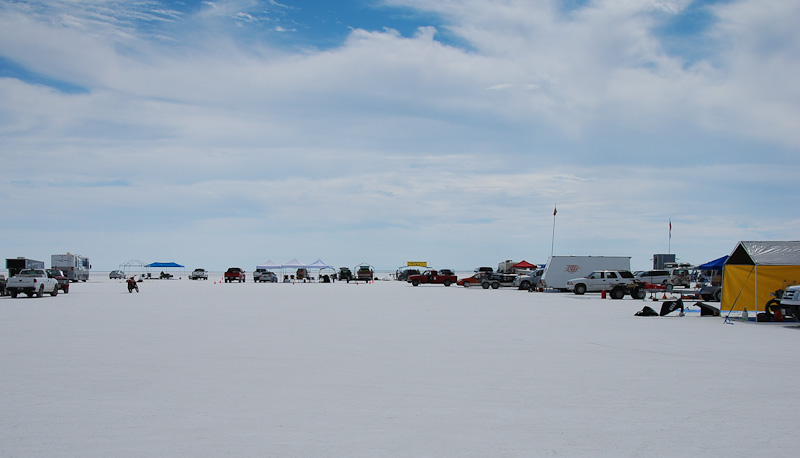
(200, 369)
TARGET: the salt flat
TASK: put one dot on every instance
(201, 369)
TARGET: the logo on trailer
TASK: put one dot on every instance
(572, 268)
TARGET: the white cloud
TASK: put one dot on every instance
(390, 137)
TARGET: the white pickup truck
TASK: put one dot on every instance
(30, 282)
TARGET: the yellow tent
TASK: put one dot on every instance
(755, 270)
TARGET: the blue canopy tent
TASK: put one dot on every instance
(716, 264)
(163, 265)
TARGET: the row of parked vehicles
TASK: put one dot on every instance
(363, 272)
(30, 277)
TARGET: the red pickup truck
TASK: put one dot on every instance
(234, 274)
(440, 277)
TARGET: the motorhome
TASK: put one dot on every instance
(560, 269)
(74, 266)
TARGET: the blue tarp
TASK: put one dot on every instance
(164, 264)
(716, 264)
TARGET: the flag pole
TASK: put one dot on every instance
(553, 240)
(669, 243)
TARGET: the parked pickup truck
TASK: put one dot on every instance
(234, 274)
(616, 282)
(433, 277)
(198, 274)
(63, 280)
(30, 282)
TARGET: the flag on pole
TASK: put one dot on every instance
(555, 210)
(670, 228)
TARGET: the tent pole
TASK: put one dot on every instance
(755, 299)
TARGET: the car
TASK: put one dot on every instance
(116, 274)
(267, 277)
(63, 281)
(474, 280)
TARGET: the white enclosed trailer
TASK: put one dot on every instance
(560, 269)
(74, 266)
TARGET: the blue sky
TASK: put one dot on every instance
(228, 133)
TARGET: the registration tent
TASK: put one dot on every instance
(756, 269)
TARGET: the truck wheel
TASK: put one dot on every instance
(617, 293)
(495, 285)
(638, 293)
(447, 283)
(40, 293)
(415, 282)
(13, 294)
(525, 285)
(485, 285)
(55, 291)
(580, 289)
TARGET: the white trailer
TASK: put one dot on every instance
(74, 266)
(559, 269)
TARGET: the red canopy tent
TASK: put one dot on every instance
(523, 265)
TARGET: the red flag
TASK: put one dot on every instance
(670, 228)
(555, 210)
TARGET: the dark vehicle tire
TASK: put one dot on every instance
(466, 284)
(55, 291)
(638, 293)
(580, 289)
(447, 283)
(485, 285)
(707, 297)
(495, 285)
(525, 285)
(415, 282)
(617, 293)
(718, 295)
(13, 294)
(40, 293)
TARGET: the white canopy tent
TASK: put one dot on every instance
(269, 265)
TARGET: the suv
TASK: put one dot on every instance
(344, 274)
(654, 277)
(529, 281)
(364, 272)
(600, 280)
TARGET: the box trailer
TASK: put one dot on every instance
(560, 269)
(74, 266)
(15, 265)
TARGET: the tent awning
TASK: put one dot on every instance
(523, 265)
(269, 265)
(319, 264)
(159, 265)
(293, 264)
(716, 264)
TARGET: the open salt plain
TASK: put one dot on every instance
(200, 369)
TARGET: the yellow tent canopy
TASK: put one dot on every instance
(755, 270)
